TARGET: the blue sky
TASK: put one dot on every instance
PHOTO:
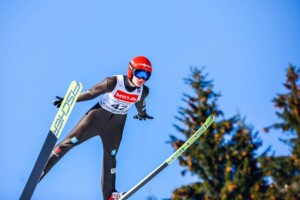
(44, 45)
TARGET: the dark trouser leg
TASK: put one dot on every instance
(89, 126)
(111, 139)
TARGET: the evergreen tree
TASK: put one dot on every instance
(285, 170)
(224, 158)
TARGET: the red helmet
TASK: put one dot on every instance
(139, 63)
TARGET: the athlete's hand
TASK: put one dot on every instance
(142, 117)
(57, 102)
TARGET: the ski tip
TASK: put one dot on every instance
(76, 83)
(210, 119)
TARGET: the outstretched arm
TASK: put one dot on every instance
(107, 85)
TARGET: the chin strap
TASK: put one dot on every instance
(131, 84)
(128, 83)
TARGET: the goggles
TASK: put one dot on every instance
(142, 74)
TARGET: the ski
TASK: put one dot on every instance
(56, 129)
(173, 157)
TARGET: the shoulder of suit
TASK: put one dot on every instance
(111, 83)
(145, 89)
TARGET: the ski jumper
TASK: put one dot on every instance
(106, 119)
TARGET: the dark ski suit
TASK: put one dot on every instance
(107, 125)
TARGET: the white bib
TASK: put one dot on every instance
(120, 100)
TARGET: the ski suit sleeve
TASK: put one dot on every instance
(107, 85)
(141, 104)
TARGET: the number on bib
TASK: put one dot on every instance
(119, 106)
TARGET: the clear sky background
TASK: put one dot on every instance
(44, 45)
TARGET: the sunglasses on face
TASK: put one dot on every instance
(142, 74)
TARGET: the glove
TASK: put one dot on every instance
(144, 117)
(58, 101)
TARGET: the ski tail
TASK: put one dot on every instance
(173, 157)
(56, 129)
(38, 167)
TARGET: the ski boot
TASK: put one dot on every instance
(116, 195)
